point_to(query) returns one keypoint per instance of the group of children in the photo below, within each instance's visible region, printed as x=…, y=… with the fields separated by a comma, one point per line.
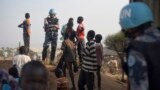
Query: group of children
x=27, y=74
x=90, y=55
x=90, y=58
x=34, y=76
x=10, y=79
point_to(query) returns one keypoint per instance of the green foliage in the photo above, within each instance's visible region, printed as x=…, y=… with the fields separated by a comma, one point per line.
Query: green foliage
x=8, y=50
x=115, y=41
x=1, y=53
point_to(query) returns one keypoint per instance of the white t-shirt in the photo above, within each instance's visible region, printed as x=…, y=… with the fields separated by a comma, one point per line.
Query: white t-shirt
x=20, y=60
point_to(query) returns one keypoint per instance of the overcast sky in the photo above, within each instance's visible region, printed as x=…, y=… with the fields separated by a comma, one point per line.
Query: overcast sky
x=99, y=15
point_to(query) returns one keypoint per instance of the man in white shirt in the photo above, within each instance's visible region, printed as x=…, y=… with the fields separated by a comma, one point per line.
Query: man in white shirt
x=20, y=59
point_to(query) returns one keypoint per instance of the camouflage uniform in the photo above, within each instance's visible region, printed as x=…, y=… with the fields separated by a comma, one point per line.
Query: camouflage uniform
x=143, y=61
x=51, y=36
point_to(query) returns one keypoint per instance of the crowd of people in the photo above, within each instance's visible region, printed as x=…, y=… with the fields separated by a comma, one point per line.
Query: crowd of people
x=142, y=64
x=24, y=70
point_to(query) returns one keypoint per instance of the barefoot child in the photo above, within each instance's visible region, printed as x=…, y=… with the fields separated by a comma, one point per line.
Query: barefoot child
x=68, y=48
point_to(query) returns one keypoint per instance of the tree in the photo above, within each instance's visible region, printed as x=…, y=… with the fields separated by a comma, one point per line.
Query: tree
x=117, y=42
x=9, y=51
x=1, y=53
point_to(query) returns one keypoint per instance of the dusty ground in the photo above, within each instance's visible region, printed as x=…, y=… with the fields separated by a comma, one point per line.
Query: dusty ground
x=108, y=83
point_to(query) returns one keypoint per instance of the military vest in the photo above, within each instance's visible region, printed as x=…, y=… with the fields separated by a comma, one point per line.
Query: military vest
x=50, y=23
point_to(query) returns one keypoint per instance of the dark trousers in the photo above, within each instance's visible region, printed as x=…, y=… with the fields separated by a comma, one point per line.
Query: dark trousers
x=26, y=39
x=50, y=38
x=99, y=77
x=86, y=78
x=80, y=46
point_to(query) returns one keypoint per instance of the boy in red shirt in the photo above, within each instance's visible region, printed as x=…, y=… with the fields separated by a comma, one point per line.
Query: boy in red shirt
x=80, y=37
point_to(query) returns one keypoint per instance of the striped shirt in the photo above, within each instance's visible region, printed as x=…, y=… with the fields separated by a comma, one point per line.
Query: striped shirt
x=89, y=60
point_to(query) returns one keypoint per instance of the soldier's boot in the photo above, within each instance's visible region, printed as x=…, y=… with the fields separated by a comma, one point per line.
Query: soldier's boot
x=44, y=54
x=53, y=51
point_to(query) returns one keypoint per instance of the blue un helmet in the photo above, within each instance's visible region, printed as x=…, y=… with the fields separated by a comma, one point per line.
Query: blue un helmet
x=52, y=12
x=134, y=15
